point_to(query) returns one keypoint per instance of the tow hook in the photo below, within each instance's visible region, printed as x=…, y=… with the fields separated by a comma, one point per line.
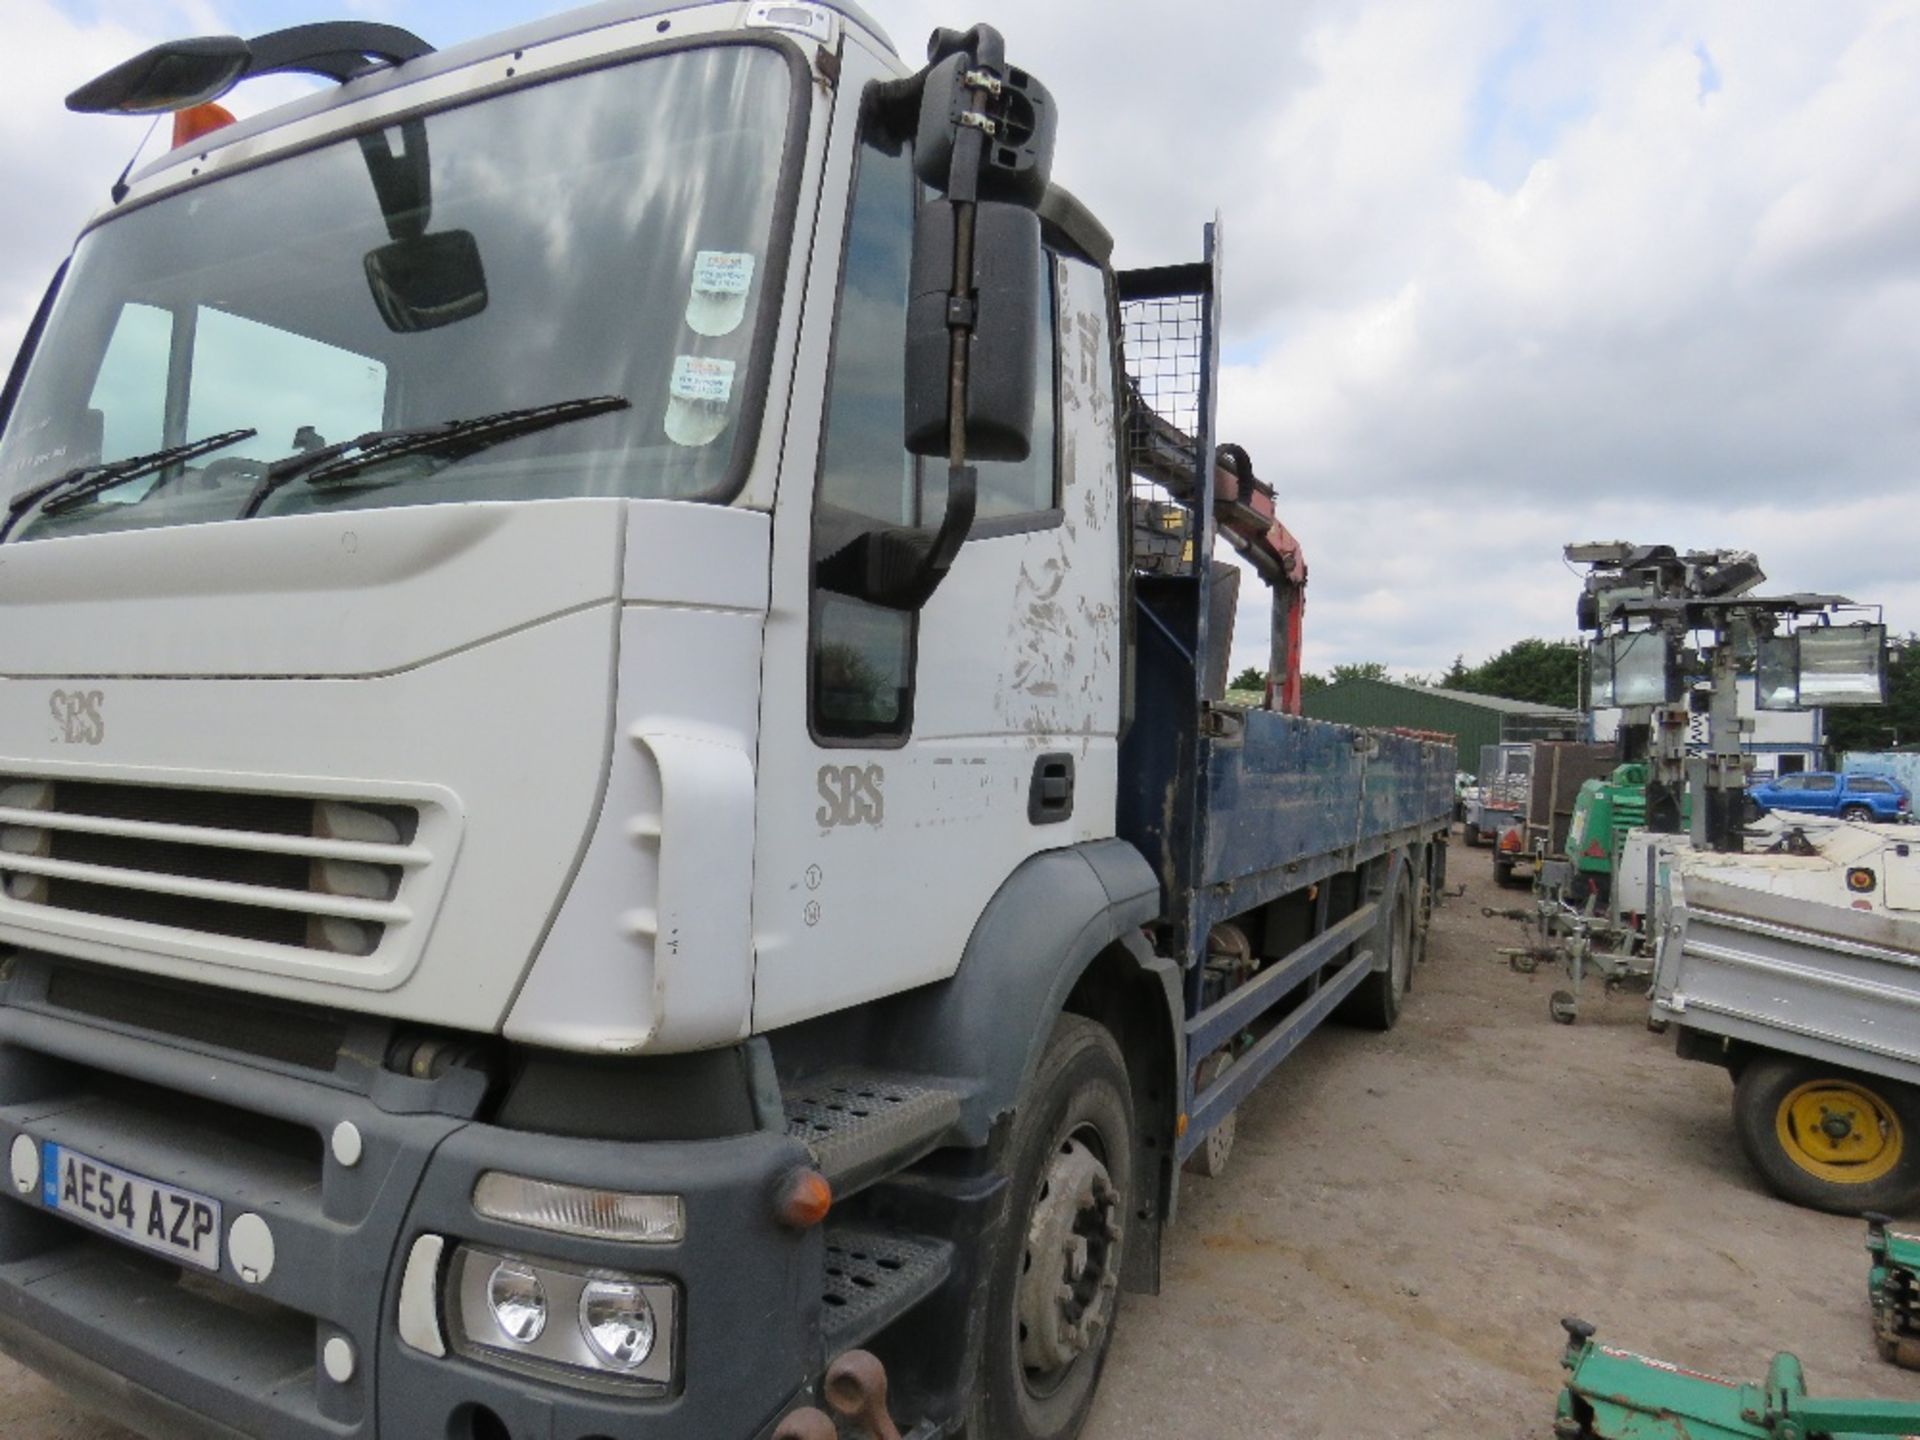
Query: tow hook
x=856, y=1388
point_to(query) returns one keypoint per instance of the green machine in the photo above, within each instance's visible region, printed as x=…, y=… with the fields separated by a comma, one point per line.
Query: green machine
x=1613, y=1394
x=1603, y=813
x=1893, y=1287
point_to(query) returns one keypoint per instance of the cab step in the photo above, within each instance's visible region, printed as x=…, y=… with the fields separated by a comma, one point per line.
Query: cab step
x=873, y=1277
x=862, y=1125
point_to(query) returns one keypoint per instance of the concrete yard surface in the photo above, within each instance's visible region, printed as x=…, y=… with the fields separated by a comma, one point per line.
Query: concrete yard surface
x=1407, y=1217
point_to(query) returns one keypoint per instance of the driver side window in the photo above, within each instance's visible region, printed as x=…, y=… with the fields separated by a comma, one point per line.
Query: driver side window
x=862, y=656
x=250, y=375
x=229, y=373
x=130, y=390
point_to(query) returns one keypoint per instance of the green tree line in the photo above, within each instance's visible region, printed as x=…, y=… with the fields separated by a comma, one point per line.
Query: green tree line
x=1547, y=672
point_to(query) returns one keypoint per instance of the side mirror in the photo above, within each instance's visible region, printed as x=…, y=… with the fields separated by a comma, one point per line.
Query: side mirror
x=1000, y=378
x=427, y=281
x=174, y=76
x=1016, y=154
x=983, y=142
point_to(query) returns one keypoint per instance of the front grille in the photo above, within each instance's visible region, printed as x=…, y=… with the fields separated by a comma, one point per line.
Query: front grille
x=200, y=1014
x=300, y=872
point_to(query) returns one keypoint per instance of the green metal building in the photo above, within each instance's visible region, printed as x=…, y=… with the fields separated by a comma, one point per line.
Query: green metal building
x=1472, y=720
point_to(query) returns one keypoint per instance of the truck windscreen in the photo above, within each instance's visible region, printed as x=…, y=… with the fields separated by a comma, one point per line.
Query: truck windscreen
x=602, y=235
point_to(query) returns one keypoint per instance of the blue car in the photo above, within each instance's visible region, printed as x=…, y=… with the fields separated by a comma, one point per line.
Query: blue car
x=1879, y=798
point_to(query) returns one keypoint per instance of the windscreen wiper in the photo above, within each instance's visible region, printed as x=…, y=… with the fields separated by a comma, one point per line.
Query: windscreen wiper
x=83, y=482
x=450, y=441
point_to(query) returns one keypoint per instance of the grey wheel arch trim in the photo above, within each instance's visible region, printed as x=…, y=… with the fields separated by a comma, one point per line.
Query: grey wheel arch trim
x=1050, y=920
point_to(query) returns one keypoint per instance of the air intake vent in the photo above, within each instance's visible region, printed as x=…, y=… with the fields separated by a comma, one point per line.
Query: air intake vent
x=299, y=872
x=200, y=1014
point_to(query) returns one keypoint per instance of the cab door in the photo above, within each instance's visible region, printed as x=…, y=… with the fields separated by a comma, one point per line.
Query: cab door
x=910, y=761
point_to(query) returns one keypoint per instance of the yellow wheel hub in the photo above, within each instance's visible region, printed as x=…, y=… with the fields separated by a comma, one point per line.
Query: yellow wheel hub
x=1839, y=1131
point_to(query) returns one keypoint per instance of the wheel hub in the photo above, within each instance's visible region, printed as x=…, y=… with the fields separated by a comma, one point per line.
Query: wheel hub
x=1839, y=1131
x=1070, y=1280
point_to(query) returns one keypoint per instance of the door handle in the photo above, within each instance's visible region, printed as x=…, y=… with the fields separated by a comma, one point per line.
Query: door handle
x=1050, y=794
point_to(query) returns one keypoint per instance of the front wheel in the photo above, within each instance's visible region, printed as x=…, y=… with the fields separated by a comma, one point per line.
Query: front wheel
x=1858, y=813
x=1055, y=1286
x=1828, y=1138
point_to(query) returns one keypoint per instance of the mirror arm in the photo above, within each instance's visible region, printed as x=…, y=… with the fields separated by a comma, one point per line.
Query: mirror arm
x=963, y=190
x=898, y=567
x=963, y=489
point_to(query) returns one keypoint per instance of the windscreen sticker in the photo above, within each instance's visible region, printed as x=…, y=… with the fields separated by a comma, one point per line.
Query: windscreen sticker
x=721, y=280
x=697, y=399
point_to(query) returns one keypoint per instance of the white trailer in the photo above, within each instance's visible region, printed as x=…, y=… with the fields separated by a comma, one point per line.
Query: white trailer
x=1799, y=971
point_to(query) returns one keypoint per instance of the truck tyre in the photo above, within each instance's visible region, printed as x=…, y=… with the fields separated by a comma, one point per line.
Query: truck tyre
x=1376, y=1001
x=1426, y=896
x=1828, y=1138
x=1055, y=1282
x=1210, y=1160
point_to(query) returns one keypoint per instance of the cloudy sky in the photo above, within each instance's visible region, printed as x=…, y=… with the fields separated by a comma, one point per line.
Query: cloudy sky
x=1501, y=274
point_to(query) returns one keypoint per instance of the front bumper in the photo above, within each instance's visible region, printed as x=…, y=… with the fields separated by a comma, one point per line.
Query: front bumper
x=217, y=1356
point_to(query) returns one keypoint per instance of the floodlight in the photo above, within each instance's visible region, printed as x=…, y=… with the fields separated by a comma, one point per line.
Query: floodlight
x=1635, y=668
x=1776, y=673
x=1843, y=665
x=1600, y=687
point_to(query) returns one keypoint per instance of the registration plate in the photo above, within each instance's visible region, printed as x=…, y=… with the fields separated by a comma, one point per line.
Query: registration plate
x=172, y=1222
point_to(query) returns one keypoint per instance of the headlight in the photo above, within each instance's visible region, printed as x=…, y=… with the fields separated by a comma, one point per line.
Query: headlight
x=518, y=1302
x=510, y=1310
x=618, y=1322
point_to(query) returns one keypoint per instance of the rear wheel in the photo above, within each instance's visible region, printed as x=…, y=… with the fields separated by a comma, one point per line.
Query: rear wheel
x=1054, y=1288
x=1426, y=896
x=1828, y=1138
x=1211, y=1158
x=1376, y=1001
x=1470, y=833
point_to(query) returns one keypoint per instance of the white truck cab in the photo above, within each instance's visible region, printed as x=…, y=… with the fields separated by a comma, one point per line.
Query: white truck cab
x=595, y=662
x=569, y=610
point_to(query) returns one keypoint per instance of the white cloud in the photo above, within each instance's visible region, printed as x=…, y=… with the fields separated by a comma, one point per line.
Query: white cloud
x=1500, y=275
x=1696, y=318
x=56, y=166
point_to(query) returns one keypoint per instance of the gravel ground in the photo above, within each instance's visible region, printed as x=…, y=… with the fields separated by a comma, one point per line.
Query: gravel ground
x=1408, y=1215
